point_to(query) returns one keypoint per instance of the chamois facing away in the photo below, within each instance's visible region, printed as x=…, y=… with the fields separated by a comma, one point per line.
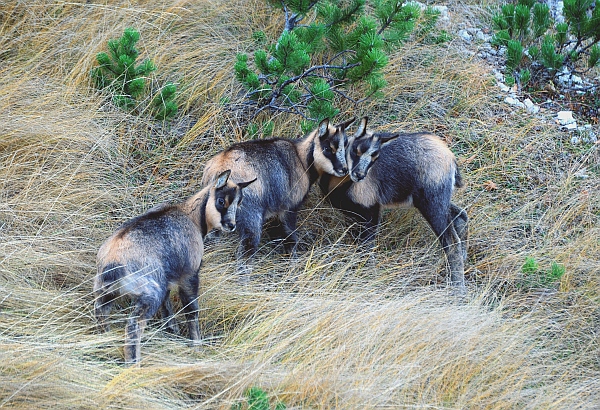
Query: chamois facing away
x=151, y=253
x=401, y=170
x=285, y=169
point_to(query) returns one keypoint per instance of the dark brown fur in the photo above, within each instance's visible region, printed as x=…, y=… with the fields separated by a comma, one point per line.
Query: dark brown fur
x=285, y=170
x=161, y=249
x=396, y=170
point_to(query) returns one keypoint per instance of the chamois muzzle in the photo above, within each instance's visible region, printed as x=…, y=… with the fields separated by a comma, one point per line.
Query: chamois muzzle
x=229, y=226
x=357, y=176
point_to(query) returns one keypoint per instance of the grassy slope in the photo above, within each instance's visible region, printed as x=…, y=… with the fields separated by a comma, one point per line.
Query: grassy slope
x=344, y=334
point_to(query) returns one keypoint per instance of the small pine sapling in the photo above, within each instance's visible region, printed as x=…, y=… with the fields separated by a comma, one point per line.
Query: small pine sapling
x=118, y=71
x=163, y=104
x=126, y=81
x=257, y=399
x=310, y=68
x=550, y=47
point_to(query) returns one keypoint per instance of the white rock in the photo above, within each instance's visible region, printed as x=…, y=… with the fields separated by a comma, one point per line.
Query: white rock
x=499, y=76
x=443, y=12
x=481, y=36
x=514, y=101
x=571, y=126
x=530, y=106
x=565, y=118
x=587, y=134
x=503, y=87
x=556, y=10
x=464, y=34
x=416, y=3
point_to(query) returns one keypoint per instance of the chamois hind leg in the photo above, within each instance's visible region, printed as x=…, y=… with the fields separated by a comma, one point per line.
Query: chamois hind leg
x=188, y=292
x=146, y=307
x=166, y=310
x=102, y=306
x=437, y=212
x=460, y=219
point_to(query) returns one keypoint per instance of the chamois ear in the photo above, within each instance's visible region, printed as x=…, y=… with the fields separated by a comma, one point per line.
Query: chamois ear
x=387, y=138
x=362, y=128
x=346, y=124
x=323, y=130
x=222, y=179
x=243, y=185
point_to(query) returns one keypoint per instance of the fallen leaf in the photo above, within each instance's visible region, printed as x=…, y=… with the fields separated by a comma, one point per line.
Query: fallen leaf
x=490, y=186
x=469, y=160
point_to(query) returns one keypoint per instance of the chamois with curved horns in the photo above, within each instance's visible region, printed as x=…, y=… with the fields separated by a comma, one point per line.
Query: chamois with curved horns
x=388, y=170
x=162, y=248
x=285, y=170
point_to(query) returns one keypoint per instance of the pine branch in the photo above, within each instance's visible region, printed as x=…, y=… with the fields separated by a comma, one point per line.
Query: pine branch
x=307, y=73
x=390, y=18
x=292, y=19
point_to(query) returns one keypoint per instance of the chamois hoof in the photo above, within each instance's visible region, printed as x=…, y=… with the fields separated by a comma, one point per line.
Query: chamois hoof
x=244, y=275
x=459, y=291
x=171, y=326
x=195, y=343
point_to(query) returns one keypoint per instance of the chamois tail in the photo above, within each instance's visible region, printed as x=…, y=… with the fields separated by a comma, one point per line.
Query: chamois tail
x=458, y=180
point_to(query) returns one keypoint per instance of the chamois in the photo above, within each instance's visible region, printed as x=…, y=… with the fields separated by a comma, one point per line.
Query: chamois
x=149, y=254
x=389, y=170
x=285, y=170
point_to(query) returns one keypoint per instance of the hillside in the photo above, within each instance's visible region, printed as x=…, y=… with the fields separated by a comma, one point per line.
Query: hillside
x=334, y=328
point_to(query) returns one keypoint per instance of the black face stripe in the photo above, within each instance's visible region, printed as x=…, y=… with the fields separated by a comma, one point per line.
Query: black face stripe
x=224, y=198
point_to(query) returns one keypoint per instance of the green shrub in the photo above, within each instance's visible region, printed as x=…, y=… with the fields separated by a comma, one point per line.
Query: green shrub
x=126, y=81
x=534, y=277
x=530, y=266
x=527, y=25
x=256, y=399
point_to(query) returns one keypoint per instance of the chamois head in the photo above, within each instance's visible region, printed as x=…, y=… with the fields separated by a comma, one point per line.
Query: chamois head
x=223, y=201
x=363, y=149
x=330, y=148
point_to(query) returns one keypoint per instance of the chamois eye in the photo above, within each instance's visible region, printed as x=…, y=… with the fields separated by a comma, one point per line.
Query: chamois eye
x=220, y=202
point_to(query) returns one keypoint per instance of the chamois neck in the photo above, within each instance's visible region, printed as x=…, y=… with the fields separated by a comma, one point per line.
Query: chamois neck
x=195, y=208
x=305, y=148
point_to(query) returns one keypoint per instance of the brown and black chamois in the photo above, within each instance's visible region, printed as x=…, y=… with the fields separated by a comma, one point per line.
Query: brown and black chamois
x=388, y=170
x=148, y=255
x=285, y=169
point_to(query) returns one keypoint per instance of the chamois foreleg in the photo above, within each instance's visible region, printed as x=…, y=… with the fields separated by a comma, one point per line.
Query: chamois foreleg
x=290, y=239
x=249, y=225
x=367, y=223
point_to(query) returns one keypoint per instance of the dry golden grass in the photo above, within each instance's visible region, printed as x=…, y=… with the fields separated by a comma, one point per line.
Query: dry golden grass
x=331, y=329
